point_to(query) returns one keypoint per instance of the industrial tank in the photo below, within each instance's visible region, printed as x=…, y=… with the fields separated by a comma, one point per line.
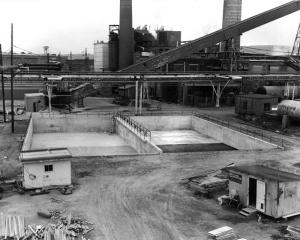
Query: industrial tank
x=290, y=108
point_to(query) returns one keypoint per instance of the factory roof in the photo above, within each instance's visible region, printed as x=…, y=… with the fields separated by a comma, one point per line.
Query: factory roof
x=266, y=173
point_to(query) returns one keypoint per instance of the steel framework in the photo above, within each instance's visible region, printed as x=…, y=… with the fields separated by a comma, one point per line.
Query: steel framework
x=214, y=38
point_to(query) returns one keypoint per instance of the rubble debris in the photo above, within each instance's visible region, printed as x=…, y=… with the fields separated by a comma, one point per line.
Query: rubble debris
x=64, y=227
x=59, y=228
x=12, y=226
x=294, y=232
x=208, y=185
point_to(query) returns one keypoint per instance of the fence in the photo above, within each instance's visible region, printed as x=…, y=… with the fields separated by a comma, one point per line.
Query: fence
x=135, y=126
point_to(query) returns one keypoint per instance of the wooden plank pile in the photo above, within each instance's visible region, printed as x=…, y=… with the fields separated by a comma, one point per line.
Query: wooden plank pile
x=12, y=226
x=223, y=233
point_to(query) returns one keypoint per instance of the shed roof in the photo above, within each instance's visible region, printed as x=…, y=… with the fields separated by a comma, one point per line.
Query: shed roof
x=266, y=173
x=59, y=154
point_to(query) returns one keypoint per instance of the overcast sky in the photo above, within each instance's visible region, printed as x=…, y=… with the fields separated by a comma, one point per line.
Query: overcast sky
x=73, y=25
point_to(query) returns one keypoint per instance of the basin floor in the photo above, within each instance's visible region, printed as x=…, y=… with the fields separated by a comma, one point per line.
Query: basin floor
x=186, y=141
x=83, y=144
x=180, y=137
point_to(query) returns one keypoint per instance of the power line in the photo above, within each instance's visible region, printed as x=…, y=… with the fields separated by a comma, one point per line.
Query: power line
x=24, y=49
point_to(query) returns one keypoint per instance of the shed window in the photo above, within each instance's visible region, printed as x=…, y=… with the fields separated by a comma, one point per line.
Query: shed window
x=48, y=168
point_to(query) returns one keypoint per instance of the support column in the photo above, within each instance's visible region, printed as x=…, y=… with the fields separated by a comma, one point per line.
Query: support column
x=184, y=94
x=141, y=98
x=287, y=90
x=136, y=97
x=2, y=85
x=285, y=121
x=218, y=95
x=294, y=88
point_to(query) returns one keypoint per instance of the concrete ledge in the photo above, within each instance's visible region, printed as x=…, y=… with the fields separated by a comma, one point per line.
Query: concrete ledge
x=28, y=138
x=52, y=123
x=164, y=123
x=142, y=146
x=229, y=136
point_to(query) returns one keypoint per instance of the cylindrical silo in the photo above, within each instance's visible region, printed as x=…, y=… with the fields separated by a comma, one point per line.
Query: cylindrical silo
x=126, y=36
x=232, y=13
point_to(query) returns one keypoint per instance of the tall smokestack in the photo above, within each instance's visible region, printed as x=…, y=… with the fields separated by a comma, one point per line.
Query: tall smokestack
x=126, y=37
x=232, y=13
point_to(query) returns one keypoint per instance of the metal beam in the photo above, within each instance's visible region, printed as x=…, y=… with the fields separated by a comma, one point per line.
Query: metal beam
x=214, y=38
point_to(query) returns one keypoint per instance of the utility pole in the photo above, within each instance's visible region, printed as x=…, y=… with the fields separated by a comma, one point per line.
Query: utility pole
x=71, y=62
x=2, y=84
x=12, y=80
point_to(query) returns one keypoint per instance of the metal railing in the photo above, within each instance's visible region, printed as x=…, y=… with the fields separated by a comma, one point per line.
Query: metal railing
x=133, y=125
x=258, y=133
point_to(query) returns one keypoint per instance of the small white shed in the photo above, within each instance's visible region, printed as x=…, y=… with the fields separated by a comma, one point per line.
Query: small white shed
x=46, y=168
x=272, y=192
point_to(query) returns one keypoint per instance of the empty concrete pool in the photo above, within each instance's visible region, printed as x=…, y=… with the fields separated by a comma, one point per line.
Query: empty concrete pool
x=116, y=134
x=194, y=134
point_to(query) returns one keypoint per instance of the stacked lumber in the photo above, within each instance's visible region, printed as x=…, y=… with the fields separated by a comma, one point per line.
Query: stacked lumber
x=223, y=233
x=12, y=226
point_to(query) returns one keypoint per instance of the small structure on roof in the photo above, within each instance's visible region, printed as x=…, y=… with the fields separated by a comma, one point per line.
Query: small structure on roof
x=46, y=168
x=270, y=191
x=254, y=104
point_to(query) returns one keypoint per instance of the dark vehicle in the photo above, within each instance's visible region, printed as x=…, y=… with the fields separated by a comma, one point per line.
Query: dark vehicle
x=120, y=100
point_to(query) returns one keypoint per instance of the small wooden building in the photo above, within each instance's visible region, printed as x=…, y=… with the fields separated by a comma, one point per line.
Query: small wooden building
x=270, y=191
x=34, y=102
x=46, y=168
x=254, y=104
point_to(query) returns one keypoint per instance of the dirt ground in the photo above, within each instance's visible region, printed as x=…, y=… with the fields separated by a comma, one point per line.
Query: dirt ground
x=141, y=198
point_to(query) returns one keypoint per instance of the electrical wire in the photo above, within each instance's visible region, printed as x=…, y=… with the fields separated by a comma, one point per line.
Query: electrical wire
x=24, y=50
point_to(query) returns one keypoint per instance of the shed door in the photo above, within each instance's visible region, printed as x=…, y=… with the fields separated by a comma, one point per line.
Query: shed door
x=261, y=196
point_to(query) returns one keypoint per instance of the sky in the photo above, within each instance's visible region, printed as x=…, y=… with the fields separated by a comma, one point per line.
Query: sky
x=73, y=25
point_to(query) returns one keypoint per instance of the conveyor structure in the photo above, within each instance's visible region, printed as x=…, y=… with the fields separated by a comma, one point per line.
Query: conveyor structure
x=214, y=38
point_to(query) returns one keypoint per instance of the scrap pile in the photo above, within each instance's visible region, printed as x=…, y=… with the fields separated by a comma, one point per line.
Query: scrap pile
x=207, y=185
x=12, y=226
x=59, y=228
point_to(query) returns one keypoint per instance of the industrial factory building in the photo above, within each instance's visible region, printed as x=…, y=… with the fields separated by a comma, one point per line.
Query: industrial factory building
x=146, y=133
